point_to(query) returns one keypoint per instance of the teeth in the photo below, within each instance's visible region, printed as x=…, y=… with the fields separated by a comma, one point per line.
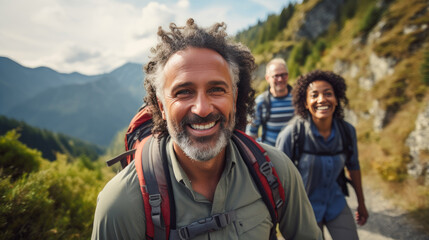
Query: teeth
x=203, y=126
x=322, y=108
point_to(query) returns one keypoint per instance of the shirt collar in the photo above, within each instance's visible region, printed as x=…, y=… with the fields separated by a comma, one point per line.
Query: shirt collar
x=317, y=134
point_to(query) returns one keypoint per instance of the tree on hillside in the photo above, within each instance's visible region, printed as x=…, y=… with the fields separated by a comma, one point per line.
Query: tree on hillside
x=285, y=15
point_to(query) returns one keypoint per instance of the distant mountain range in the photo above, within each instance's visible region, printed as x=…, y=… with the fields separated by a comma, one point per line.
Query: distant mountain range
x=92, y=108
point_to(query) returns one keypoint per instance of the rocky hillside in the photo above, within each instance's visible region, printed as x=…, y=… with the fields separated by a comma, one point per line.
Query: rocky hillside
x=381, y=48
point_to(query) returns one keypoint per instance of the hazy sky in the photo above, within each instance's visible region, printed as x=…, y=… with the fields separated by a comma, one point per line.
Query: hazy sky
x=97, y=36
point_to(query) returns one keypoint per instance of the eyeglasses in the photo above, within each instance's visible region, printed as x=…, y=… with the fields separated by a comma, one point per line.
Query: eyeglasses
x=282, y=75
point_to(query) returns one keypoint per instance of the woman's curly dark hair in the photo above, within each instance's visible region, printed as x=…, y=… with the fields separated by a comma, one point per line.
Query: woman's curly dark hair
x=238, y=57
x=299, y=92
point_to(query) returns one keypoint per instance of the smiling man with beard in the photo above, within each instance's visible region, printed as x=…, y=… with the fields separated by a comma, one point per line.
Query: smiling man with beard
x=198, y=90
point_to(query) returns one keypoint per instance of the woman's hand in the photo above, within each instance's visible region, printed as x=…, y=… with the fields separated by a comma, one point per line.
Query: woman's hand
x=361, y=215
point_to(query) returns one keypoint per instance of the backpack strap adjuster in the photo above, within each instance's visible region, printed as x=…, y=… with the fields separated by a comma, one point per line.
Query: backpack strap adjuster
x=155, y=202
x=267, y=169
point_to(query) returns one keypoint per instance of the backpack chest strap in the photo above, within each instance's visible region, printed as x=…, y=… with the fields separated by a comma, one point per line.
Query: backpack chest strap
x=209, y=224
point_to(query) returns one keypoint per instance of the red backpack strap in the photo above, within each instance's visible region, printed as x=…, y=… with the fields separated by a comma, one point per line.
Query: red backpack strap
x=263, y=172
x=154, y=179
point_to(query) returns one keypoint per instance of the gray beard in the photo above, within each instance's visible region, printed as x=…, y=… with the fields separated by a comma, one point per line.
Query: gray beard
x=200, y=151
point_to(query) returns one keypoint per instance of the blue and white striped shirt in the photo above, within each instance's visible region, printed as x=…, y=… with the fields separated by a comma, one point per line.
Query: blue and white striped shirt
x=281, y=112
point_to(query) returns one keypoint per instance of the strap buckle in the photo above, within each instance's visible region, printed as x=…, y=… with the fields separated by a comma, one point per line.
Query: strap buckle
x=267, y=169
x=155, y=201
x=209, y=224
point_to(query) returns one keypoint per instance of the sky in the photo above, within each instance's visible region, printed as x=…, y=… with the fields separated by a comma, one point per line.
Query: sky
x=97, y=36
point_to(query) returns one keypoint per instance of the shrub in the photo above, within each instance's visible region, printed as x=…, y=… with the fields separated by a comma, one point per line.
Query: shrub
x=370, y=19
x=56, y=202
x=16, y=158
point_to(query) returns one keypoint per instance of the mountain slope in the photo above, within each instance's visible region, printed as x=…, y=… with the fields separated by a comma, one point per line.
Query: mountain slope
x=19, y=83
x=93, y=112
x=381, y=48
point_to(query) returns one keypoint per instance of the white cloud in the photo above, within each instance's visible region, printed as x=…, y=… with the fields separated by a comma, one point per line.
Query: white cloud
x=92, y=36
x=183, y=3
x=87, y=32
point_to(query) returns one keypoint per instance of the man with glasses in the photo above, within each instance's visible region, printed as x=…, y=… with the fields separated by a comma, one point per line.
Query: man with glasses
x=273, y=107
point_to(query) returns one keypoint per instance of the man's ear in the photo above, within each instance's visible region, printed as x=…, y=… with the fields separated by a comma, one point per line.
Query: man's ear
x=161, y=107
x=267, y=78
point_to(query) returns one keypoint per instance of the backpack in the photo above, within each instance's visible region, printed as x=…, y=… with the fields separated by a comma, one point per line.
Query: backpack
x=265, y=112
x=298, y=141
x=154, y=178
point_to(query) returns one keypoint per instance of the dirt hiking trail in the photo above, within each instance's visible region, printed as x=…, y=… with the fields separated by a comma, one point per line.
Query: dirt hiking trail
x=386, y=222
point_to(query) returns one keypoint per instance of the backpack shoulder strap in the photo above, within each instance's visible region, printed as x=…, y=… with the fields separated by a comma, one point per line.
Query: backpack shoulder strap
x=346, y=138
x=263, y=173
x=155, y=184
x=347, y=141
x=298, y=141
x=265, y=111
x=267, y=105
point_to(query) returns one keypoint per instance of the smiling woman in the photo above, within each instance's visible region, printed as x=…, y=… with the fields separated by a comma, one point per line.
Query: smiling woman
x=322, y=144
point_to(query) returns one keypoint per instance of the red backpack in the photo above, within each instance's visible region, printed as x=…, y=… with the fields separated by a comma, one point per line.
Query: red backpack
x=155, y=183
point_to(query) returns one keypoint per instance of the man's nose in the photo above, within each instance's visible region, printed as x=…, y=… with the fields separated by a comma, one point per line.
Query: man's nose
x=202, y=106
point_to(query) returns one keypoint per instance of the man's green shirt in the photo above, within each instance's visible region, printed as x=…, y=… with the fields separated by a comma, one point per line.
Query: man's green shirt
x=120, y=214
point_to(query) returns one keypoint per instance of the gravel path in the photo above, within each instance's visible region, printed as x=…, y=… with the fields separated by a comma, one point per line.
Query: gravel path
x=385, y=221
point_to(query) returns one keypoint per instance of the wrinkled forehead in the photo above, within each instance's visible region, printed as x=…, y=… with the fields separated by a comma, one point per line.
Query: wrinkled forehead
x=199, y=58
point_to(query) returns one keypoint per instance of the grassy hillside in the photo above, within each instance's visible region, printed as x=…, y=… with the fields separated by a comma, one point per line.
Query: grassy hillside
x=50, y=143
x=46, y=200
x=365, y=35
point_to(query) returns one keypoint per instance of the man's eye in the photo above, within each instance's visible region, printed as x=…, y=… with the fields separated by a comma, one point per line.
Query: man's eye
x=217, y=90
x=183, y=92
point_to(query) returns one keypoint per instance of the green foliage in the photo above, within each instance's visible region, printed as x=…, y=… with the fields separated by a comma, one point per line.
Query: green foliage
x=315, y=55
x=298, y=58
x=294, y=69
x=370, y=19
x=300, y=52
x=349, y=8
x=49, y=143
x=285, y=16
x=26, y=210
x=393, y=169
x=266, y=31
x=56, y=202
x=15, y=158
x=424, y=68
